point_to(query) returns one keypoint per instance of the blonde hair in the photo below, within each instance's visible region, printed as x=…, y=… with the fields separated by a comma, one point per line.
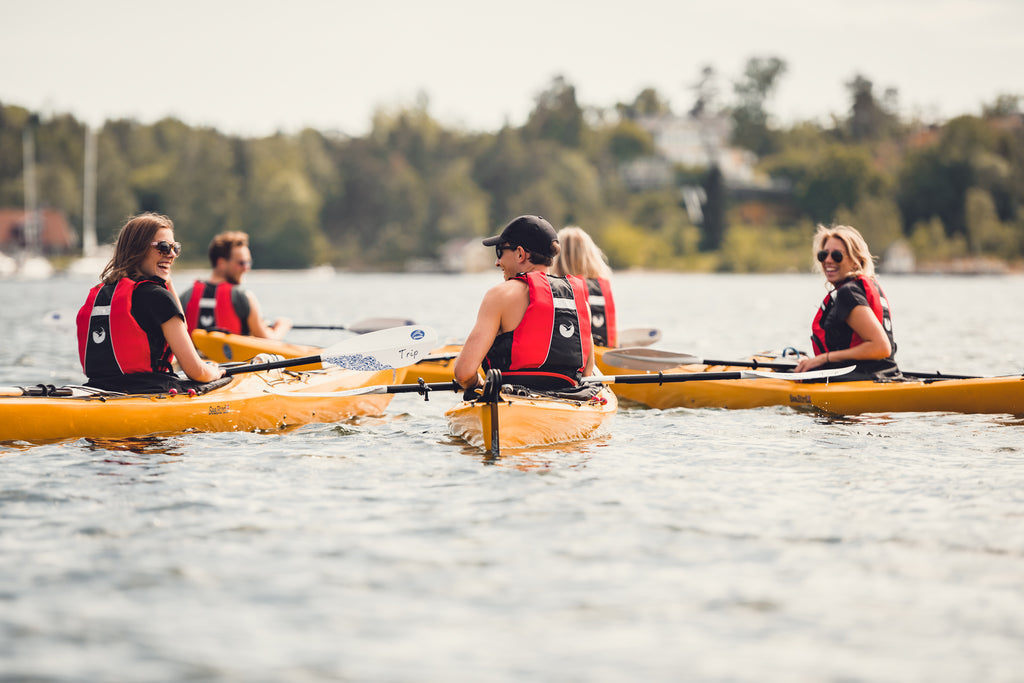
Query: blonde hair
x=579, y=255
x=856, y=247
x=133, y=244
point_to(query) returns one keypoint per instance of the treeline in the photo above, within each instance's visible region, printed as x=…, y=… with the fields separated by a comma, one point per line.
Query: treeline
x=411, y=186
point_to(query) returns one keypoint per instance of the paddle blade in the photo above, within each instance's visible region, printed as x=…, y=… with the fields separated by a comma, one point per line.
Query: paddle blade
x=382, y=350
x=795, y=376
x=641, y=358
x=638, y=336
x=377, y=324
x=59, y=320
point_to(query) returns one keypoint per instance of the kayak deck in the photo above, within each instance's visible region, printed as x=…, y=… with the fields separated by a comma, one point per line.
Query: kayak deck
x=532, y=420
x=242, y=404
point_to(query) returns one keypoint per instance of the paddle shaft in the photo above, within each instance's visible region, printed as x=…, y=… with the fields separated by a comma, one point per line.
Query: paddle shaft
x=663, y=378
x=789, y=366
x=272, y=365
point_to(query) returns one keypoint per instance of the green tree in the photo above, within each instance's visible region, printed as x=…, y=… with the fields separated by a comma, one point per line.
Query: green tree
x=869, y=118
x=556, y=116
x=750, y=118
x=648, y=102
x=713, y=228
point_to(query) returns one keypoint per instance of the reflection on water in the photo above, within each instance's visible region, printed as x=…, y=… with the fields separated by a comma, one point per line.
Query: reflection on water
x=145, y=445
x=688, y=544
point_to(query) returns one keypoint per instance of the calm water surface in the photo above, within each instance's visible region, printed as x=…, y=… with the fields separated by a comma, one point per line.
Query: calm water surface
x=708, y=545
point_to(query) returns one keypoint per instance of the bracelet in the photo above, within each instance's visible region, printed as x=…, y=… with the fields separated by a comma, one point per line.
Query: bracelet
x=826, y=355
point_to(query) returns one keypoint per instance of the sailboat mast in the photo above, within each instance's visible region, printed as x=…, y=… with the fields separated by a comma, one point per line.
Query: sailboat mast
x=89, y=194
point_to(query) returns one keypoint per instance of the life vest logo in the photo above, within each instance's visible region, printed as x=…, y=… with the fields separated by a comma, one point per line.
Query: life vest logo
x=98, y=336
x=206, y=321
x=566, y=330
x=598, y=320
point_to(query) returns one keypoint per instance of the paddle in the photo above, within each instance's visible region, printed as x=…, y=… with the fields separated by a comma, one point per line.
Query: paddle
x=632, y=337
x=662, y=378
x=66, y=320
x=639, y=336
x=637, y=358
x=382, y=350
x=425, y=388
x=361, y=326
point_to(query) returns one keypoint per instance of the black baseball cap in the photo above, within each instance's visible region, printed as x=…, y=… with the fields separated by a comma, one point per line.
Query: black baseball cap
x=532, y=233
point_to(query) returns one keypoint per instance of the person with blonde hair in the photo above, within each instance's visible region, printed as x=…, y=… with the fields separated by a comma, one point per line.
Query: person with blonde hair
x=853, y=321
x=220, y=302
x=580, y=256
x=131, y=327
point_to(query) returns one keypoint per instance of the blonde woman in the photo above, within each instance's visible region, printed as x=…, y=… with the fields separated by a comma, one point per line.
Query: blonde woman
x=853, y=322
x=581, y=257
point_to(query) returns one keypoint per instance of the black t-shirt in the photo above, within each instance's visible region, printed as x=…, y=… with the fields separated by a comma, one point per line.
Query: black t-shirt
x=152, y=306
x=839, y=335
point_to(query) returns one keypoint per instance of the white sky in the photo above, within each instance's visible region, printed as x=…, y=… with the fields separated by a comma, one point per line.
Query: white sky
x=253, y=67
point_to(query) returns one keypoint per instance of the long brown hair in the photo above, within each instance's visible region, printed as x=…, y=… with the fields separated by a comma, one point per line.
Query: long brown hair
x=133, y=243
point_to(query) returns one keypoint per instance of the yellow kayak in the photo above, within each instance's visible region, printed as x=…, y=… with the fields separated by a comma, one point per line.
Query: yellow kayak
x=238, y=403
x=222, y=347
x=531, y=420
x=927, y=394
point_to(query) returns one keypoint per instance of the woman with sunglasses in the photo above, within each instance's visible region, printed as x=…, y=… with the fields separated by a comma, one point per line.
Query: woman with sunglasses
x=131, y=327
x=852, y=323
x=579, y=256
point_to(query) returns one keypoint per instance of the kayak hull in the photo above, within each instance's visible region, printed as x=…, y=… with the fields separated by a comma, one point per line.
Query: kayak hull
x=973, y=395
x=525, y=421
x=243, y=404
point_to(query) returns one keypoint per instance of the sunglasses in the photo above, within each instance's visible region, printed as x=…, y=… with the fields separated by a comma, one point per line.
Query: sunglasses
x=166, y=248
x=837, y=256
x=499, y=248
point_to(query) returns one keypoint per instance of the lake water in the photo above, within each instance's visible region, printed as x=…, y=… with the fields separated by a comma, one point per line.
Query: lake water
x=698, y=545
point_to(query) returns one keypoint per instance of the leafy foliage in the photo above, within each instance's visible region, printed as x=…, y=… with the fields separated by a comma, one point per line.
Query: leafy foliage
x=411, y=188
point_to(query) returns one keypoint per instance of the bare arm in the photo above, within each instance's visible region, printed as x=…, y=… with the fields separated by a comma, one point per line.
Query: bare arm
x=874, y=345
x=184, y=350
x=259, y=328
x=480, y=339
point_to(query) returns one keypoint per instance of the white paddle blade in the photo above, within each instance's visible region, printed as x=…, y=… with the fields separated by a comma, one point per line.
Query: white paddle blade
x=640, y=358
x=59, y=320
x=638, y=336
x=377, y=324
x=388, y=349
x=796, y=376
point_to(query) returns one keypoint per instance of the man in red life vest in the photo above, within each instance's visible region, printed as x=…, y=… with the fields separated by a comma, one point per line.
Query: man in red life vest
x=221, y=303
x=534, y=327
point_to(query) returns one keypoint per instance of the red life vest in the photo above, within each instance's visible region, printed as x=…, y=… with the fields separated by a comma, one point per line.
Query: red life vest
x=553, y=338
x=210, y=307
x=110, y=339
x=877, y=302
x=602, y=312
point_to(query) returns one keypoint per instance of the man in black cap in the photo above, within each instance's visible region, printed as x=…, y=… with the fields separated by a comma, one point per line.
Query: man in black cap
x=534, y=327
